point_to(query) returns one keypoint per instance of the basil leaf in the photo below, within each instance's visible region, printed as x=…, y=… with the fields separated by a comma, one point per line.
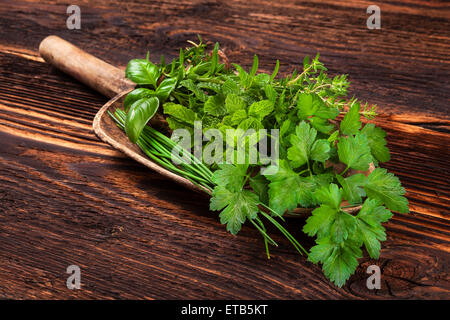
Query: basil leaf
x=135, y=95
x=141, y=111
x=165, y=88
x=142, y=71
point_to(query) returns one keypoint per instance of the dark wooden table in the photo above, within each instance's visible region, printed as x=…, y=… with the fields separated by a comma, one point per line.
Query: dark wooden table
x=67, y=198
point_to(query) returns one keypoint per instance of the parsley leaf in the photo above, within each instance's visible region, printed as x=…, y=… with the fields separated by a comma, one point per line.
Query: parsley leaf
x=230, y=176
x=370, y=230
x=386, y=187
x=377, y=142
x=354, y=151
x=300, y=189
x=339, y=260
x=304, y=146
x=237, y=207
x=353, y=192
x=351, y=123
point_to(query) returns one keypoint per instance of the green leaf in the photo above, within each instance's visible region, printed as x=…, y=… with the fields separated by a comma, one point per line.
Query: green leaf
x=191, y=86
x=260, y=185
x=215, y=106
x=275, y=71
x=339, y=260
x=331, y=195
x=320, y=150
x=141, y=111
x=370, y=230
x=320, y=221
x=234, y=103
x=387, y=188
x=250, y=123
x=135, y=95
x=341, y=264
x=142, y=71
x=354, y=151
x=181, y=113
x=270, y=93
x=260, y=80
x=353, y=192
x=254, y=66
x=260, y=109
x=377, y=142
x=302, y=142
x=326, y=112
x=321, y=125
x=351, y=122
x=221, y=198
x=343, y=226
x=230, y=87
x=307, y=105
x=165, y=88
x=230, y=176
x=300, y=189
x=237, y=207
x=238, y=117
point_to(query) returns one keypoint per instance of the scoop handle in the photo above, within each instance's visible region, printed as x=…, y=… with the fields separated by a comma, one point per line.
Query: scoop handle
x=96, y=73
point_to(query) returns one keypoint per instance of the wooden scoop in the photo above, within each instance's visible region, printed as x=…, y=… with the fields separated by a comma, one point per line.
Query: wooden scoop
x=111, y=82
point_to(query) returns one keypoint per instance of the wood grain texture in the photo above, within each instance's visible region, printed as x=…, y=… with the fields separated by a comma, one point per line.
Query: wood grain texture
x=68, y=198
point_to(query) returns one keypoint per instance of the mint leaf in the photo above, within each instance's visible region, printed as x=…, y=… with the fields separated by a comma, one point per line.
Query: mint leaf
x=351, y=122
x=377, y=142
x=215, y=106
x=234, y=103
x=354, y=151
x=190, y=85
x=179, y=112
x=230, y=87
x=238, y=117
x=260, y=109
x=250, y=123
x=387, y=188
